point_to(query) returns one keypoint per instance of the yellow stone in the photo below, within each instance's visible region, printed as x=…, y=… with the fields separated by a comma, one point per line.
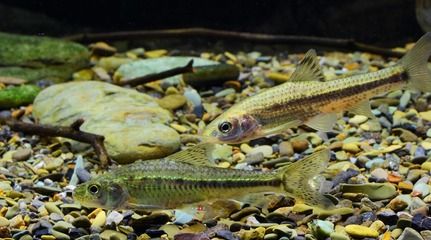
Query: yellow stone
x=155, y=53
x=231, y=56
x=278, y=77
x=391, y=148
x=426, y=166
x=85, y=74
x=360, y=231
x=100, y=220
x=351, y=147
x=426, y=145
x=425, y=115
x=94, y=213
x=377, y=225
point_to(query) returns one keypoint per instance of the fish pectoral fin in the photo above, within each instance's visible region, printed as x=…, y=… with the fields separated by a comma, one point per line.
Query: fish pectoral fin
x=195, y=155
x=283, y=127
x=362, y=108
x=322, y=122
x=308, y=69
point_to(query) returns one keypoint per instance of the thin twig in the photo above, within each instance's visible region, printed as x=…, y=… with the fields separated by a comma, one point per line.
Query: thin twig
x=157, y=76
x=72, y=132
x=348, y=44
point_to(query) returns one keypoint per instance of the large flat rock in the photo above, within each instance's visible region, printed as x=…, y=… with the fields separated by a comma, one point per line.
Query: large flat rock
x=133, y=124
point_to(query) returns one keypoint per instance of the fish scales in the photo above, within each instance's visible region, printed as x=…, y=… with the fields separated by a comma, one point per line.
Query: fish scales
x=304, y=99
x=307, y=99
x=165, y=183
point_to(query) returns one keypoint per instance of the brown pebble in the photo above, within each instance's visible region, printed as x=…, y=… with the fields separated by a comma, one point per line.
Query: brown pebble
x=299, y=145
x=286, y=149
x=233, y=84
x=21, y=154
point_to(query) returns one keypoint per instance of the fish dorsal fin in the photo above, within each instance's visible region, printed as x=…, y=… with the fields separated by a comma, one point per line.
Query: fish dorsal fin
x=309, y=69
x=362, y=108
x=195, y=155
x=322, y=122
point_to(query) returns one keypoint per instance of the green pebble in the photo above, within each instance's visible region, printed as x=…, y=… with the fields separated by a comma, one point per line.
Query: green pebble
x=111, y=234
x=60, y=236
x=321, y=229
x=52, y=208
x=375, y=191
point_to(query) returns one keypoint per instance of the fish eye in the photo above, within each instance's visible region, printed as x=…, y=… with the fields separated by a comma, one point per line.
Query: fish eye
x=94, y=189
x=225, y=127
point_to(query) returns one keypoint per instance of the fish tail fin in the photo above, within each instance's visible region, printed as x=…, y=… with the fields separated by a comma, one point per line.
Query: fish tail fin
x=298, y=179
x=416, y=64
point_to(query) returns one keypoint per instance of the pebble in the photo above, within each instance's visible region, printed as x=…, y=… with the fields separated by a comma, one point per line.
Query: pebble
x=360, y=231
x=266, y=150
x=400, y=202
x=380, y=173
x=225, y=92
x=410, y=234
x=52, y=208
x=82, y=222
x=4, y=222
x=53, y=163
x=357, y=120
x=59, y=235
x=351, y=147
x=62, y=226
x=374, y=191
x=114, y=217
x=299, y=145
x=100, y=220
x=341, y=156
x=321, y=229
x=286, y=149
x=111, y=234
x=244, y=212
x=425, y=115
x=172, y=102
x=338, y=236
x=22, y=154
x=421, y=189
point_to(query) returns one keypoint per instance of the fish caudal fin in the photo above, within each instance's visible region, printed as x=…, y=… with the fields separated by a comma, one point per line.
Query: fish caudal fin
x=298, y=179
x=415, y=62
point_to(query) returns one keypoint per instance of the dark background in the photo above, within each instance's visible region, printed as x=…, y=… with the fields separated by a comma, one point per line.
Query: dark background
x=381, y=22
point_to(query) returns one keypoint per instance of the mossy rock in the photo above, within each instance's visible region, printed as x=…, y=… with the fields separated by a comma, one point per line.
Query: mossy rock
x=18, y=95
x=34, y=58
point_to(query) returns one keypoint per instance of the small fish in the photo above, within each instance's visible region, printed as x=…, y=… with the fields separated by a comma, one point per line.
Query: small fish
x=308, y=99
x=179, y=180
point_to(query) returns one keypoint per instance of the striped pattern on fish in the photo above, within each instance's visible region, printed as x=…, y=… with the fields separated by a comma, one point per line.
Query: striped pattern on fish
x=308, y=99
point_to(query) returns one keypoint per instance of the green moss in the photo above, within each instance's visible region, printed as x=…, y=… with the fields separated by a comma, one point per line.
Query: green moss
x=18, y=96
x=33, y=58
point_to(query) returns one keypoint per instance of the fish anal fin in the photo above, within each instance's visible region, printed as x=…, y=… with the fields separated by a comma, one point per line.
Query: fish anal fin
x=298, y=179
x=195, y=155
x=308, y=69
x=323, y=122
x=363, y=108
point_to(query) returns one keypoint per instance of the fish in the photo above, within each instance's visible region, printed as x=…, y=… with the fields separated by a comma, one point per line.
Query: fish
x=179, y=181
x=308, y=99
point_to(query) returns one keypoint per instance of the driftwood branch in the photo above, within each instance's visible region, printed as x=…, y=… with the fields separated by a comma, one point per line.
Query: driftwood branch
x=157, y=76
x=72, y=132
x=348, y=44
